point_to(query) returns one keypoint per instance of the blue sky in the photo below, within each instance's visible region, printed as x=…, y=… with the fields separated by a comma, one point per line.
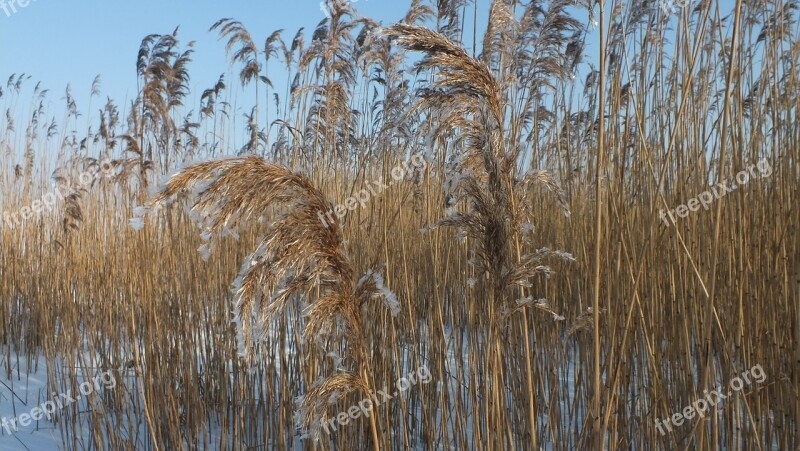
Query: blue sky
x=60, y=42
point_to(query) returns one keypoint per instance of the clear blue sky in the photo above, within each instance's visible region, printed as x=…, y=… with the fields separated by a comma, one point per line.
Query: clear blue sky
x=60, y=42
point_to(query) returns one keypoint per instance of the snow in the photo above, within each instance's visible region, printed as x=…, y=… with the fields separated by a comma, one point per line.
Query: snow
x=19, y=393
x=31, y=412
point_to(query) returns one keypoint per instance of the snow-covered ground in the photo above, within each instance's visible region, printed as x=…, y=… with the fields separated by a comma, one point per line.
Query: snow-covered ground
x=25, y=390
x=33, y=411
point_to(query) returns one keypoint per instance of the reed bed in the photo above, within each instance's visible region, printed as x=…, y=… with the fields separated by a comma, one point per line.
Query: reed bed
x=548, y=171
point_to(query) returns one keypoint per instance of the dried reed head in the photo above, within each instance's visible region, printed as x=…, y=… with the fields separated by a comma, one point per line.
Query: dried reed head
x=299, y=256
x=464, y=82
x=298, y=252
x=468, y=98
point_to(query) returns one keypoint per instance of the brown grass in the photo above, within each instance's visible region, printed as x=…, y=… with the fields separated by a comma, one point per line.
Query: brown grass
x=512, y=142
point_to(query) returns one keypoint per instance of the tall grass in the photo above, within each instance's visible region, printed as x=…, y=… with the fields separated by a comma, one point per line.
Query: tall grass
x=516, y=128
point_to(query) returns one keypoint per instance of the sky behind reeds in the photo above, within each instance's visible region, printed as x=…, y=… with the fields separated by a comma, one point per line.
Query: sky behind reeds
x=72, y=42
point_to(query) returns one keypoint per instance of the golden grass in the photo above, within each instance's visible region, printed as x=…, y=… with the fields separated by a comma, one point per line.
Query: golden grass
x=681, y=308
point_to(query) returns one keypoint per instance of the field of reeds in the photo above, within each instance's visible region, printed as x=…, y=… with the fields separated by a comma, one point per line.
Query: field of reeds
x=540, y=261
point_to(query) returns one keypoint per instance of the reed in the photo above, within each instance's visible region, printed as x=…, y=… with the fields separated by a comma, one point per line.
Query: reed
x=255, y=328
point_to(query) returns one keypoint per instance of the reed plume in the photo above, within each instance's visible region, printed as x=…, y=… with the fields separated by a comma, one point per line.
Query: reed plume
x=483, y=176
x=299, y=258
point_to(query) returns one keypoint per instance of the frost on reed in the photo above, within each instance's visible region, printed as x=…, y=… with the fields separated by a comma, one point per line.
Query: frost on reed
x=469, y=99
x=298, y=258
x=493, y=197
